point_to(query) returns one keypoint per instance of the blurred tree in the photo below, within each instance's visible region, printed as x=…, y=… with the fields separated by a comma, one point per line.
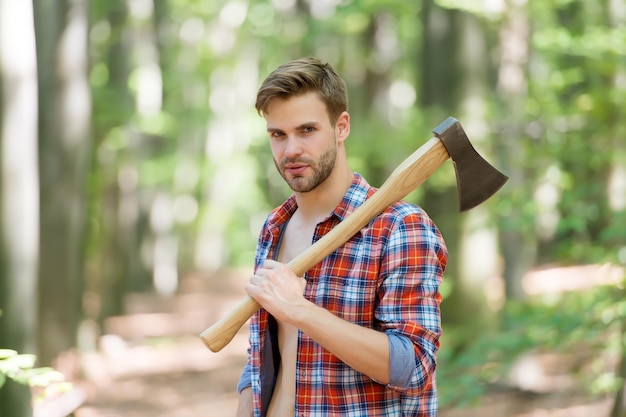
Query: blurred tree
x=106, y=281
x=19, y=209
x=115, y=263
x=575, y=99
x=451, y=82
x=61, y=28
x=519, y=244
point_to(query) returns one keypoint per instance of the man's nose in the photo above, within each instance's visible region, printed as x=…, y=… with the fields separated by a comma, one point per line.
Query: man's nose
x=293, y=146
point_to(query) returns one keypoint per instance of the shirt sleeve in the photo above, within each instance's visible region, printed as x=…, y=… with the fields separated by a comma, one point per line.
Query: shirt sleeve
x=401, y=360
x=412, y=270
x=245, y=380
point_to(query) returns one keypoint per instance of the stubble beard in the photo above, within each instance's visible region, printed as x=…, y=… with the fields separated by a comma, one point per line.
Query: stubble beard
x=321, y=171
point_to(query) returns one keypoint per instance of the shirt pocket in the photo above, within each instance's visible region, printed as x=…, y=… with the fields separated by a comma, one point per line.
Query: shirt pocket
x=348, y=283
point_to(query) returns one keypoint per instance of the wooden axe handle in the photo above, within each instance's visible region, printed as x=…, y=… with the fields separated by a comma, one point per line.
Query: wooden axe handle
x=404, y=179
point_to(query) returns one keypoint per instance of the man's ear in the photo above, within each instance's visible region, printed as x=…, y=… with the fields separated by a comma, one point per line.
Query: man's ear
x=342, y=126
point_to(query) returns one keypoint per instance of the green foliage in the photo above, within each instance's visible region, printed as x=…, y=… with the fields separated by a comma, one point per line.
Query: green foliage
x=587, y=323
x=21, y=368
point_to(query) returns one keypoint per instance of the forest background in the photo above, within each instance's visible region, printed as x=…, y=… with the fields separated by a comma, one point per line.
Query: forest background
x=131, y=157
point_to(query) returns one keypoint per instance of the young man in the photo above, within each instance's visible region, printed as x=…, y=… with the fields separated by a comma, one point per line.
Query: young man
x=357, y=335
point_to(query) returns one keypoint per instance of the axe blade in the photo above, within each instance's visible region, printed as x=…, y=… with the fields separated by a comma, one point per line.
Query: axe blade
x=476, y=179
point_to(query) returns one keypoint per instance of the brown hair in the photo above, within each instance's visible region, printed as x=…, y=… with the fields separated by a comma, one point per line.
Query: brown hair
x=303, y=76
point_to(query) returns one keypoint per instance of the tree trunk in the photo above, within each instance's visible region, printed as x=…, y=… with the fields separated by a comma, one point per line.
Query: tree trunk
x=453, y=50
x=61, y=28
x=619, y=404
x=19, y=210
x=616, y=13
x=519, y=247
x=109, y=282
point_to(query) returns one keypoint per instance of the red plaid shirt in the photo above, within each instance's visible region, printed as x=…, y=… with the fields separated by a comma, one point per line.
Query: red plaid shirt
x=386, y=278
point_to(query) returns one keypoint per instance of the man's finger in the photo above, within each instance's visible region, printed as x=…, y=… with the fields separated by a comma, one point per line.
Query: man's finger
x=271, y=264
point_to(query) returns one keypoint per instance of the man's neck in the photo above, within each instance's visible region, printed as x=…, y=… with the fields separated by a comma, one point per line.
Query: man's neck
x=316, y=205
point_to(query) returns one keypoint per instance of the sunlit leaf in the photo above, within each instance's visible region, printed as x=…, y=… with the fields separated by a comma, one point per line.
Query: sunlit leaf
x=7, y=353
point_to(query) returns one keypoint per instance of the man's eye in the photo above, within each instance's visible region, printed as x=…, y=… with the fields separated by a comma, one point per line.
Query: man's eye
x=277, y=134
x=309, y=129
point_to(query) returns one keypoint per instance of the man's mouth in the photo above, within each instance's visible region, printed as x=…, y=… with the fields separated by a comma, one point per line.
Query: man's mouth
x=295, y=169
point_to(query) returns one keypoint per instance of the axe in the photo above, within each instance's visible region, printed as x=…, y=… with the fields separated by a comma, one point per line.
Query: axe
x=476, y=179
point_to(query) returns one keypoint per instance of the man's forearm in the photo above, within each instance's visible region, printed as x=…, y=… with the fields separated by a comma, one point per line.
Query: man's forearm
x=365, y=350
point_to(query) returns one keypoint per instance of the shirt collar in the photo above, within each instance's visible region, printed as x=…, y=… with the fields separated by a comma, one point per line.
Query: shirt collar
x=356, y=195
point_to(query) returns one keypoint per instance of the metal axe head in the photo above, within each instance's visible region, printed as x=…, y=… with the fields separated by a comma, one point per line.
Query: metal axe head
x=476, y=179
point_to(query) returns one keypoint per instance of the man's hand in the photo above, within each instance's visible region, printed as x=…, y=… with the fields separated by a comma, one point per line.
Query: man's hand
x=245, y=403
x=277, y=289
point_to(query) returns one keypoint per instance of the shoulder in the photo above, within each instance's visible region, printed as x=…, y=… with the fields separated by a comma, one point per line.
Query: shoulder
x=407, y=230
x=403, y=212
x=281, y=214
x=409, y=221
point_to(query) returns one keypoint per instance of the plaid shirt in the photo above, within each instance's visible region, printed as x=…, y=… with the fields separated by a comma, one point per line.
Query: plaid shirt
x=386, y=278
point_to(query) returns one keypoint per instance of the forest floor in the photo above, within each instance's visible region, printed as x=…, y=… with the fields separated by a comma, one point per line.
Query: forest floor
x=152, y=363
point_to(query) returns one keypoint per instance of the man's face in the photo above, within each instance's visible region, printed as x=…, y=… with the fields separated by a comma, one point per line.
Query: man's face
x=303, y=141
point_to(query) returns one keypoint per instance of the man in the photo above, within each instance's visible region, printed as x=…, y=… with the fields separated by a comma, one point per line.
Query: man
x=358, y=334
